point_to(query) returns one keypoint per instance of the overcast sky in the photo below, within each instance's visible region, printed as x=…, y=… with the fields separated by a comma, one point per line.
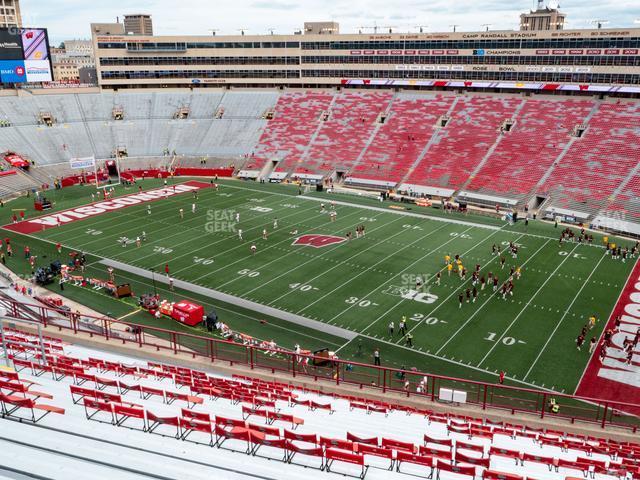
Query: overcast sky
x=67, y=19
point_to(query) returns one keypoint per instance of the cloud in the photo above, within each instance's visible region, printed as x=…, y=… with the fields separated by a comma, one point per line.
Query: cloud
x=271, y=5
x=71, y=18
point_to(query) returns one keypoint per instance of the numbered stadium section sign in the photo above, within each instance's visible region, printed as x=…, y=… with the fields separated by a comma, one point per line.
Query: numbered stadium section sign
x=24, y=55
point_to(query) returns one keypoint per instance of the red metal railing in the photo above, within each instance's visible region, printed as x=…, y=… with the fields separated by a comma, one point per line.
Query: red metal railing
x=364, y=376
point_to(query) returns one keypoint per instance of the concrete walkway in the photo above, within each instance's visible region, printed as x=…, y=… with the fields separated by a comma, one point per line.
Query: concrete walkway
x=240, y=302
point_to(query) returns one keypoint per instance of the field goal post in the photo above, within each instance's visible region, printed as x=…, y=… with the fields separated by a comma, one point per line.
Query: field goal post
x=106, y=173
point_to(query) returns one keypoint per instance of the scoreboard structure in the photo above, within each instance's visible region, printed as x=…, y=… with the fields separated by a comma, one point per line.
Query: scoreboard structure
x=25, y=55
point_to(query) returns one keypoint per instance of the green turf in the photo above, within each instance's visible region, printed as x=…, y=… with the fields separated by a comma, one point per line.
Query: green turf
x=356, y=285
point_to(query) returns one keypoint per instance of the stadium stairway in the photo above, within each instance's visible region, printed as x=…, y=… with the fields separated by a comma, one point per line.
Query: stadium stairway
x=286, y=137
x=322, y=131
x=537, y=139
x=599, y=161
x=473, y=128
x=307, y=149
x=109, y=414
x=493, y=172
x=432, y=140
x=410, y=127
x=352, y=116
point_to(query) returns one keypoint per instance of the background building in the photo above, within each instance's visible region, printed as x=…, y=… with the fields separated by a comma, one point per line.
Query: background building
x=68, y=62
x=320, y=28
x=138, y=24
x=543, y=18
x=10, y=13
x=524, y=60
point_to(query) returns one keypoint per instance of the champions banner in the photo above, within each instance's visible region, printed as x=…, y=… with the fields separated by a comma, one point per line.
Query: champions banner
x=98, y=208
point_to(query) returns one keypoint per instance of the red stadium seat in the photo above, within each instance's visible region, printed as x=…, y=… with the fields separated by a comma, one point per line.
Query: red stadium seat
x=333, y=455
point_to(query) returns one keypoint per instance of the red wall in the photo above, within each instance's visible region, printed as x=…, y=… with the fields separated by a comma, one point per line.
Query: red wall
x=154, y=173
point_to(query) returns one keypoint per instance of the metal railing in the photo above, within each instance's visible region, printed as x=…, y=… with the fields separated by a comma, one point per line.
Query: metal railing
x=361, y=375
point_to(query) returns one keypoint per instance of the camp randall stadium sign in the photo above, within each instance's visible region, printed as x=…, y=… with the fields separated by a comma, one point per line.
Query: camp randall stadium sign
x=615, y=378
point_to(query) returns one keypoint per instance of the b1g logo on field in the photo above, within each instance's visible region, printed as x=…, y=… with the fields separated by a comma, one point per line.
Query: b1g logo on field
x=410, y=294
x=318, y=241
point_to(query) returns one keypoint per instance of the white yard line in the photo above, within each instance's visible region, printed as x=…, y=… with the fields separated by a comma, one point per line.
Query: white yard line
x=106, y=218
x=199, y=217
x=116, y=225
x=208, y=245
x=566, y=312
x=233, y=300
x=388, y=210
x=389, y=280
x=482, y=306
x=498, y=341
x=495, y=257
x=242, y=245
x=444, y=359
x=369, y=268
x=424, y=215
x=315, y=258
x=287, y=240
x=440, y=304
x=584, y=371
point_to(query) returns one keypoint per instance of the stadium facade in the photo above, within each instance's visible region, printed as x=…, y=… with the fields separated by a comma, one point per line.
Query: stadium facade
x=595, y=60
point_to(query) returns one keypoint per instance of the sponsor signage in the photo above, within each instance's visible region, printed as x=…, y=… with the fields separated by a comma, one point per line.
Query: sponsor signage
x=10, y=45
x=82, y=163
x=38, y=70
x=24, y=55
x=13, y=71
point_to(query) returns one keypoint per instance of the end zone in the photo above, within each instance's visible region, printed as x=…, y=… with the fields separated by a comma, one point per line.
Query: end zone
x=614, y=378
x=45, y=222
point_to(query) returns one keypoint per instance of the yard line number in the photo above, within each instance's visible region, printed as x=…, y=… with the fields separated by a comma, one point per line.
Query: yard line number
x=202, y=261
x=249, y=273
x=261, y=209
x=360, y=303
x=419, y=317
x=302, y=287
x=508, y=341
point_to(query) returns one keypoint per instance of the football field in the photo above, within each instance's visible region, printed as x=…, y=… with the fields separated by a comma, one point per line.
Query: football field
x=307, y=268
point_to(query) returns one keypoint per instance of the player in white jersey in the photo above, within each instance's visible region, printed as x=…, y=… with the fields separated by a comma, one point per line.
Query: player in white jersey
x=148, y=209
x=181, y=213
x=264, y=234
x=138, y=242
x=275, y=223
x=240, y=233
x=237, y=217
x=253, y=249
x=193, y=208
